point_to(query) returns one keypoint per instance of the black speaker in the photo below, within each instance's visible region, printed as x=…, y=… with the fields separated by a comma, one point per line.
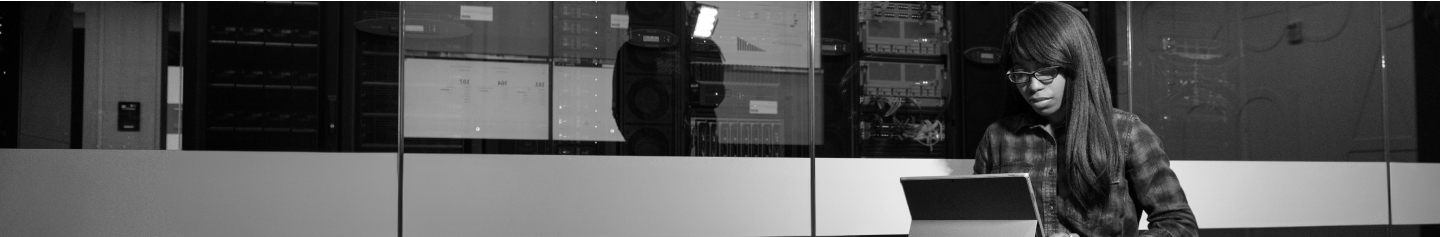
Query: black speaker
x=651, y=140
x=647, y=109
x=648, y=14
x=649, y=99
x=647, y=61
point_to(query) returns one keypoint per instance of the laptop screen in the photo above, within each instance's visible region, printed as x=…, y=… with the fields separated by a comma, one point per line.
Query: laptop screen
x=970, y=197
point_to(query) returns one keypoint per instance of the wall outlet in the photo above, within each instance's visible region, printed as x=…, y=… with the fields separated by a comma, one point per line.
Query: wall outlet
x=129, y=119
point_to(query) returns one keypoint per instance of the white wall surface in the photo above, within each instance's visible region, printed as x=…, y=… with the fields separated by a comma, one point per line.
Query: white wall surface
x=1256, y=194
x=1415, y=198
x=519, y=195
x=197, y=193
x=863, y=196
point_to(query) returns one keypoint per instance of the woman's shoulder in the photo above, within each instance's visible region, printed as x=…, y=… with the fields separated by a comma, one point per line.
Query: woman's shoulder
x=1122, y=118
x=1129, y=127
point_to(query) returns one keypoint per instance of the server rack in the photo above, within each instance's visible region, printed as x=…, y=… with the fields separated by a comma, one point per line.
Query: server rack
x=892, y=66
x=971, y=97
x=9, y=73
x=257, y=77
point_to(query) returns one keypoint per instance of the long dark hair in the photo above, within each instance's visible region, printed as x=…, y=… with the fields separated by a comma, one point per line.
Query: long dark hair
x=1057, y=34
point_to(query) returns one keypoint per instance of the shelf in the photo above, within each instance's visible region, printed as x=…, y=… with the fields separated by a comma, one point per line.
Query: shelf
x=265, y=43
x=285, y=3
x=376, y=83
x=729, y=83
x=391, y=115
x=378, y=145
x=379, y=53
x=903, y=111
x=261, y=129
x=936, y=59
x=476, y=56
x=259, y=86
x=430, y=146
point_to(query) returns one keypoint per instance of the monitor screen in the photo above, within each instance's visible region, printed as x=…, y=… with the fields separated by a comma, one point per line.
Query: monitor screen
x=476, y=99
x=764, y=33
x=582, y=106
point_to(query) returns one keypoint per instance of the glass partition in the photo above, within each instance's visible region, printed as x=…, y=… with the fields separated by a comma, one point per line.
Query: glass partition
x=1258, y=81
x=1328, y=92
x=723, y=79
x=1410, y=28
x=1325, y=86
x=89, y=75
x=607, y=118
x=194, y=119
x=228, y=76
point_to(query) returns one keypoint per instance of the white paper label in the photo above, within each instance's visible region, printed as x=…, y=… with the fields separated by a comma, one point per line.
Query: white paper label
x=477, y=13
x=619, y=21
x=764, y=107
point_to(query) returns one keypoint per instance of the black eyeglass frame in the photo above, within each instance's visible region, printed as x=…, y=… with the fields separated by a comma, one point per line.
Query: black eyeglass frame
x=1045, y=75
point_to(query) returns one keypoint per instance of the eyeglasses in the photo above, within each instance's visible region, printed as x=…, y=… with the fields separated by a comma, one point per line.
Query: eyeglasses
x=1045, y=75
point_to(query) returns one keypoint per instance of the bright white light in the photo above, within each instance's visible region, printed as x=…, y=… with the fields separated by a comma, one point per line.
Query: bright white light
x=705, y=22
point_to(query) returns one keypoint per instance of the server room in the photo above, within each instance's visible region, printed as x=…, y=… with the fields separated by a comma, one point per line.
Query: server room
x=704, y=118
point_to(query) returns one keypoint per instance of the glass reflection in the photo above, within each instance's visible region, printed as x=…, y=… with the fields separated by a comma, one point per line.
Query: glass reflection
x=615, y=78
x=1258, y=80
x=232, y=76
x=90, y=75
x=256, y=83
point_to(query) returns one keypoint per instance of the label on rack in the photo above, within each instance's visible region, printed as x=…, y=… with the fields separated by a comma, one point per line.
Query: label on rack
x=619, y=21
x=764, y=107
x=477, y=13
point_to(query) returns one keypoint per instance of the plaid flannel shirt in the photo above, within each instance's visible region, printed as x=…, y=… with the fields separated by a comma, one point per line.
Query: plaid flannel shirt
x=1018, y=144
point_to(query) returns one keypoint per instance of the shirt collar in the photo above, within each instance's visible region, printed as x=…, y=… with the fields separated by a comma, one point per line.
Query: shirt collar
x=1026, y=120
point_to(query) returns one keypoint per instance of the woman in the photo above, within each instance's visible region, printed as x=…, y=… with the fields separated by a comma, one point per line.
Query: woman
x=1094, y=168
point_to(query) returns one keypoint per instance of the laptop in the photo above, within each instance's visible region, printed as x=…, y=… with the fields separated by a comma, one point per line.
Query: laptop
x=1001, y=205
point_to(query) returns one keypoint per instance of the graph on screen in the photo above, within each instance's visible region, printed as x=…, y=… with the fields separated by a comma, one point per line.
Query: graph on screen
x=764, y=33
x=476, y=99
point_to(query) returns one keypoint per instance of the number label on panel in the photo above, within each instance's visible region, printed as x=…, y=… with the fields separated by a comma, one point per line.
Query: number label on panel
x=477, y=13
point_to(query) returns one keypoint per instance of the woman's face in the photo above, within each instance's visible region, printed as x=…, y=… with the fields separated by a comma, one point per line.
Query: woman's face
x=1044, y=98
